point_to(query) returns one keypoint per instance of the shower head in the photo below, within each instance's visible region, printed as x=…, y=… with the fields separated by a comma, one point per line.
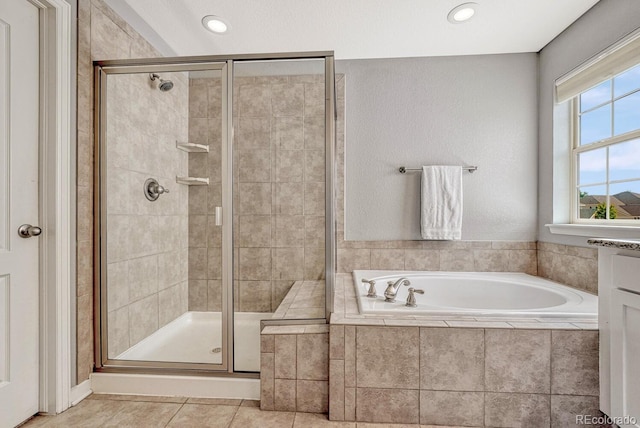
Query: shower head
x=165, y=85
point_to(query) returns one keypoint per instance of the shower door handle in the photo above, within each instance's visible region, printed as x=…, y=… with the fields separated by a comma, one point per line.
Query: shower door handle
x=218, y=216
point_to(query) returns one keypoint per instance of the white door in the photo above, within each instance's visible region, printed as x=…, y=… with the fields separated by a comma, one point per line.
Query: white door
x=19, y=123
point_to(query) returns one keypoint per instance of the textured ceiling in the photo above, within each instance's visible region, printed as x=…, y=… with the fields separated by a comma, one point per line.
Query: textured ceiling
x=352, y=28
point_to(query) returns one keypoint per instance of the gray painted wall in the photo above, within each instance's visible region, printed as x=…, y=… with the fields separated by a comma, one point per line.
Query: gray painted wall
x=604, y=24
x=469, y=110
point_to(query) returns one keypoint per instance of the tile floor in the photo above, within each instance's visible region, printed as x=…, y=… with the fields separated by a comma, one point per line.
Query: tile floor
x=137, y=411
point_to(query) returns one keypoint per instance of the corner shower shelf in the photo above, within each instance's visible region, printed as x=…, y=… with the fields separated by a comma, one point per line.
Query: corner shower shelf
x=192, y=181
x=192, y=147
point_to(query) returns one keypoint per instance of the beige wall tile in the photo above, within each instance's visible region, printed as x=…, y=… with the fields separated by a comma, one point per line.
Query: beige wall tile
x=288, y=263
x=336, y=342
x=118, y=331
x=289, y=165
x=214, y=295
x=143, y=318
x=422, y=260
x=285, y=356
x=491, y=260
x=254, y=231
x=255, y=263
x=387, y=357
x=254, y=133
x=523, y=261
x=350, y=260
x=349, y=357
x=313, y=357
x=255, y=296
x=452, y=359
x=565, y=408
x=197, y=294
x=255, y=100
x=452, y=408
x=288, y=133
x=255, y=198
x=336, y=390
x=267, y=380
x=171, y=304
x=254, y=166
x=289, y=231
x=267, y=343
x=287, y=99
x=314, y=133
x=314, y=166
x=314, y=200
x=531, y=348
x=312, y=396
x=405, y=409
x=314, y=263
x=350, y=404
x=517, y=410
x=314, y=99
x=387, y=259
x=285, y=395
x=574, y=362
x=456, y=260
x=289, y=198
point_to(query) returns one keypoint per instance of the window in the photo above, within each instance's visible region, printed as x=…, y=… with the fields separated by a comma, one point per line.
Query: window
x=606, y=151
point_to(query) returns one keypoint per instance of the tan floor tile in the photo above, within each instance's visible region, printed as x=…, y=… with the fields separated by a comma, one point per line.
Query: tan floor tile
x=215, y=401
x=89, y=413
x=143, y=414
x=252, y=417
x=203, y=415
x=144, y=398
x=317, y=420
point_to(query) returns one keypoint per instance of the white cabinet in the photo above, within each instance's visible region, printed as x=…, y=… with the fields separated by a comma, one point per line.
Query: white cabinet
x=619, y=323
x=625, y=355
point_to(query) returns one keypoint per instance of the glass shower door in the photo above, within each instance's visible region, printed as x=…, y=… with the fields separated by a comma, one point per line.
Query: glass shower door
x=162, y=162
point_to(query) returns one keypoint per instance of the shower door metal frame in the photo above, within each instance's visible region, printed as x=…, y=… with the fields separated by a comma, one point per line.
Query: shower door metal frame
x=224, y=63
x=103, y=70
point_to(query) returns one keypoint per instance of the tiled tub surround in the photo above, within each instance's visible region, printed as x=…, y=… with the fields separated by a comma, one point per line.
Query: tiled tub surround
x=459, y=371
x=570, y=265
x=294, y=368
x=305, y=299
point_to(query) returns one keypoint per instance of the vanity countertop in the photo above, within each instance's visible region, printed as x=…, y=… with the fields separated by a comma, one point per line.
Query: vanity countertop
x=624, y=244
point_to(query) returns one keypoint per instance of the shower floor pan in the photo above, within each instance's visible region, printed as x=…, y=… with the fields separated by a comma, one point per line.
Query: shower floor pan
x=196, y=337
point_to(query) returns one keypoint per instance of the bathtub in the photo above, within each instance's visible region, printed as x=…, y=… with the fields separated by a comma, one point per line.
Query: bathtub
x=495, y=294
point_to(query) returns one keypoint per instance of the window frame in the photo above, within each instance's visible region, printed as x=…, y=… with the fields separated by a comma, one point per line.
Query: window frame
x=577, y=148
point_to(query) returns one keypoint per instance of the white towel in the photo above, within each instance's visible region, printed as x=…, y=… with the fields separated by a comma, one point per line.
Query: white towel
x=441, y=211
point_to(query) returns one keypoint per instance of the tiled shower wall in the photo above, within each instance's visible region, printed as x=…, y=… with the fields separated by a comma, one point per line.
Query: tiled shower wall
x=146, y=241
x=205, y=238
x=102, y=34
x=278, y=186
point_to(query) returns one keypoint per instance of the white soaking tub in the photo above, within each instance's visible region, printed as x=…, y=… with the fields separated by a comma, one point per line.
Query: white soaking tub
x=494, y=294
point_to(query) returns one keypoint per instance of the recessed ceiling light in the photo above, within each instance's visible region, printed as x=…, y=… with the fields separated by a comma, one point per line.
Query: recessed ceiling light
x=215, y=24
x=462, y=13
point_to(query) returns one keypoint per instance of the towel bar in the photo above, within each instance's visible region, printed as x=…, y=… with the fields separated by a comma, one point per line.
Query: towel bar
x=403, y=170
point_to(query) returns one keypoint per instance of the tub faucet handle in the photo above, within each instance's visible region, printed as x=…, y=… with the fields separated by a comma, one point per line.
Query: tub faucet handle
x=411, y=299
x=372, y=287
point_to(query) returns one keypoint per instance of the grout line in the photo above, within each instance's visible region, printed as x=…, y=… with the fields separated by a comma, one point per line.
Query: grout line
x=174, y=415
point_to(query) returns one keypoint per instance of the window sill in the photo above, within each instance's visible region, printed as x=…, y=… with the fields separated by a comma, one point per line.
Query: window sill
x=596, y=231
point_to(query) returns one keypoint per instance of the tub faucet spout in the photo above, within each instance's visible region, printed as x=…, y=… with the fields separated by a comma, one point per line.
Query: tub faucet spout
x=392, y=289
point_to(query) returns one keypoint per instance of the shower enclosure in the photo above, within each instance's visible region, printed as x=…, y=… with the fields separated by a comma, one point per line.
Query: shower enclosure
x=214, y=202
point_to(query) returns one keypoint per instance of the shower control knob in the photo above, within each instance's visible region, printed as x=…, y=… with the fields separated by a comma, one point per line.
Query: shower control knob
x=153, y=189
x=27, y=231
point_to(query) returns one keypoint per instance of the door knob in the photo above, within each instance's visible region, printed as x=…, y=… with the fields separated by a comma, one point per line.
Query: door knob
x=27, y=231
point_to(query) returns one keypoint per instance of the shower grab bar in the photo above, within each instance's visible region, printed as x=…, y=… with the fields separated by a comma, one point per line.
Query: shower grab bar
x=403, y=170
